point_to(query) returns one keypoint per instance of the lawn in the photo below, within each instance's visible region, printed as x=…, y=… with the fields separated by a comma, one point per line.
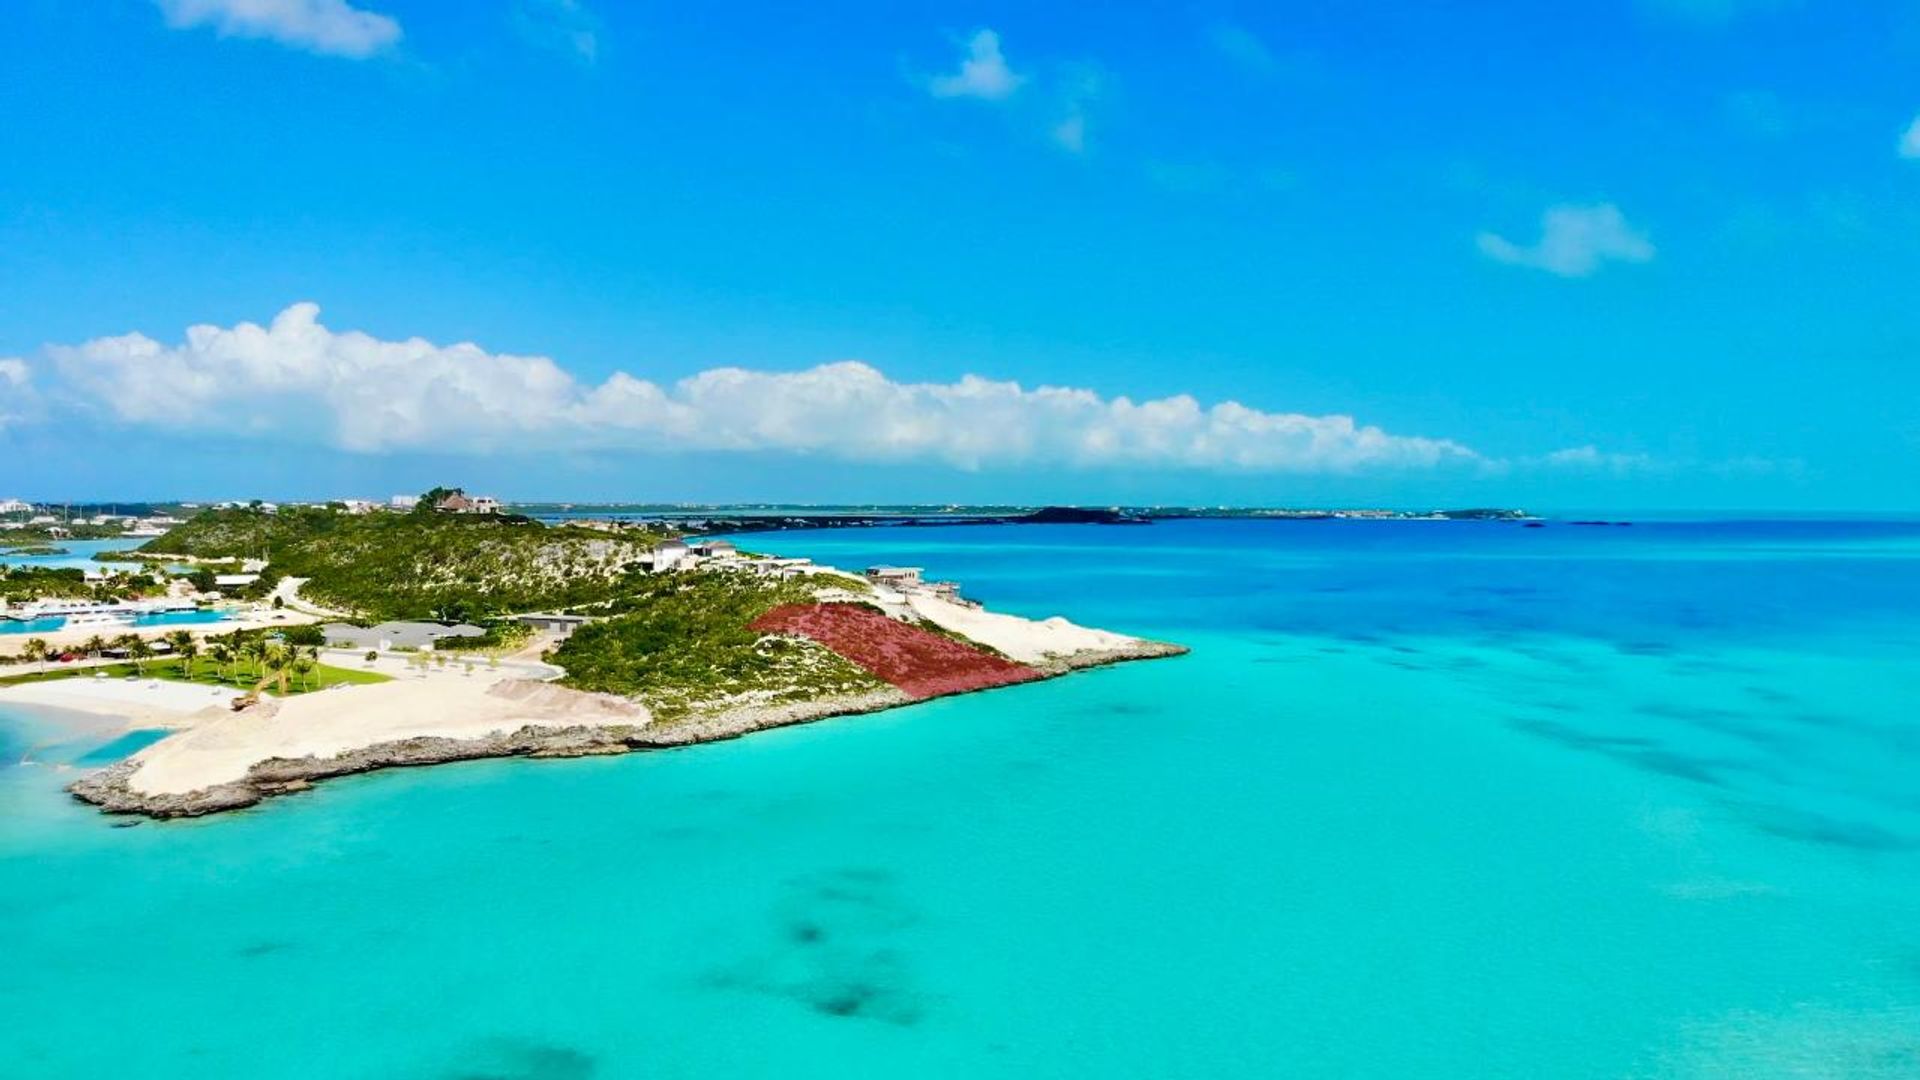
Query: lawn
x=321, y=677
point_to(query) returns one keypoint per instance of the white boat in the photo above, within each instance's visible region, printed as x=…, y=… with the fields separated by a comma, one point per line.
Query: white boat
x=88, y=619
x=57, y=609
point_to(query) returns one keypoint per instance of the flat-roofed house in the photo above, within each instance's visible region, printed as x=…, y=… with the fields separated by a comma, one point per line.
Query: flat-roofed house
x=669, y=554
x=897, y=577
x=559, y=624
x=396, y=635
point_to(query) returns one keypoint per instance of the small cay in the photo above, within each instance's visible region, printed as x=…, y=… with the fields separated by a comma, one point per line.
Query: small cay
x=640, y=643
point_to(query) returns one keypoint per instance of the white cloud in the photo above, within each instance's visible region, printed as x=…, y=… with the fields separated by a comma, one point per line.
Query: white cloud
x=1080, y=87
x=296, y=379
x=983, y=72
x=334, y=27
x=1594, y=459
x=566, y=26
x=1071, y=134
x=1910, y=142
x=17, y=399
x=1574, y=241
x=1238, y=45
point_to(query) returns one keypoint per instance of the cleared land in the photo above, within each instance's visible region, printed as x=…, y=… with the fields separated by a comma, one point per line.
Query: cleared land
x=918, y=662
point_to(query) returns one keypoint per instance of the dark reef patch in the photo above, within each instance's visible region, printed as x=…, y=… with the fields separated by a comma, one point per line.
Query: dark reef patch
x=1832, y=832
x=507, y=1058
x=834, y=951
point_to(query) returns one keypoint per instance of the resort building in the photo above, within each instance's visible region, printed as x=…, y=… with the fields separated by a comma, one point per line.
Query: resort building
x=395, y=635
x=715, y=549
x=669, y=554
x=15, y=506
x=560, y=624
x=895, y=577
x=461, y=503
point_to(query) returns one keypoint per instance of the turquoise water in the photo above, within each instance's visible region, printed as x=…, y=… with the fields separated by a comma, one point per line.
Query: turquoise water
x=165, y=618
x=75, y=553
x=1427, y=800
x=79, y=554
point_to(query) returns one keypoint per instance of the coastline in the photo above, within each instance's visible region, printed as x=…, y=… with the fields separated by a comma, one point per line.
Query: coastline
x=114, y=791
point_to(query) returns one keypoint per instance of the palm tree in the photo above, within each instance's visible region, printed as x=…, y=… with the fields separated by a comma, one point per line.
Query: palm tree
x=221, y=651
x=139, y=652
x=279, y=665
x=94, y=646
x=36, y=650
x=303, y=665
x=184, y=647
x=256, y=649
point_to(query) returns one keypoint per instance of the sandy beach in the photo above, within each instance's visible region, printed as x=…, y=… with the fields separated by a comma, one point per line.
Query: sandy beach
x=220, y=749
x=1029, y=641
x=219, y=759
x=147, y=703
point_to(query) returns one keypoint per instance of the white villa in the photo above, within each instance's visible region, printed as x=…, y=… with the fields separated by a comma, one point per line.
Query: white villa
x=670, y=554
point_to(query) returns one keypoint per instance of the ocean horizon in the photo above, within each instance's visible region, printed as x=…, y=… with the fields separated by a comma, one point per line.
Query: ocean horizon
x=1463, y=799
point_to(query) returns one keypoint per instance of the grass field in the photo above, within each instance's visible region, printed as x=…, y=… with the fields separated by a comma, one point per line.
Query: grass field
x=321, y=677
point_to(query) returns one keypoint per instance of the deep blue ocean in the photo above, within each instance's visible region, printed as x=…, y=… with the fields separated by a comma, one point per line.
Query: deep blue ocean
x=1452, y=800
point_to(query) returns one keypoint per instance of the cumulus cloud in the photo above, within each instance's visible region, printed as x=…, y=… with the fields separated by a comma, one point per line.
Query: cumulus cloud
x=1080, y=88
x=565, y=26
x=17, y=399
x=1242, y=48
x=1594, y=459
x=983, y=73
x=295, y=378
x=1574, y=241
x=1910, y=142
x=332, y=27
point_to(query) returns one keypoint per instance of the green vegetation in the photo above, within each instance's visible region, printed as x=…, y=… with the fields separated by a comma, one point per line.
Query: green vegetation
x=22, y=583
x=15, y=535
x=502, y=636
x=682, y=641
x=318, y=677
x=420, y=565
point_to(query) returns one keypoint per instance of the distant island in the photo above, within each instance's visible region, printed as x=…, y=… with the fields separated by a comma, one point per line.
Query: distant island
x=760, y=518
x=360, y=637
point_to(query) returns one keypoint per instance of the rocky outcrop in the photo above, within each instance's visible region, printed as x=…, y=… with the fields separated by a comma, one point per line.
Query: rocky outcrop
x=112, y=791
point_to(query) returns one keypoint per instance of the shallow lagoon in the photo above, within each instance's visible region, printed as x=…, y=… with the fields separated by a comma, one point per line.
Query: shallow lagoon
x=1427, y=799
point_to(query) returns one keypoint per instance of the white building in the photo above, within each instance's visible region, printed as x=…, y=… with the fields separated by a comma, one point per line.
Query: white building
x=669, y=554
x=15, y=506
x=895, y=577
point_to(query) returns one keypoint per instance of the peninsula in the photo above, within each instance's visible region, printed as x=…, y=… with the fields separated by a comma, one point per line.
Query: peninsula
x=450, y=630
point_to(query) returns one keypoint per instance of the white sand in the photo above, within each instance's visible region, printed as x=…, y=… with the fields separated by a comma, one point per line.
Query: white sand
x=145, y=703
x=1028, y=641
x=221, y=749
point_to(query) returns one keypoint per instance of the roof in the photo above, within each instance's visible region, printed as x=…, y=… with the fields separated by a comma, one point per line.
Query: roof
x=411, y=634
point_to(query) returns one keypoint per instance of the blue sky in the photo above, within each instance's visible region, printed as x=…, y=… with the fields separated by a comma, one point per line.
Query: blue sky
x=1632, y=253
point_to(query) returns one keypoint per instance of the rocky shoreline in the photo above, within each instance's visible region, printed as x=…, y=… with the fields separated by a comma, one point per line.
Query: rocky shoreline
x=110, y=789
